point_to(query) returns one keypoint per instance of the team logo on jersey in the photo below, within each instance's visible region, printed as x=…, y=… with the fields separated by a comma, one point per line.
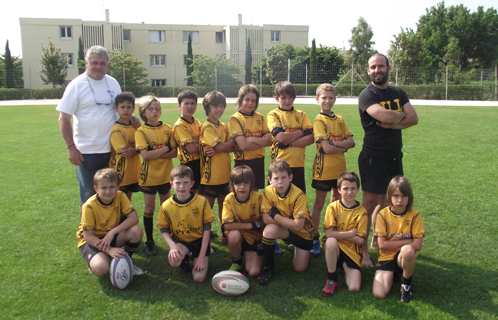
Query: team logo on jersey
x=253, y=206
x=258, y=122
x=297, y=119
x=175, y=216
x=407, y=223
x=195, y=212
x=101, y=216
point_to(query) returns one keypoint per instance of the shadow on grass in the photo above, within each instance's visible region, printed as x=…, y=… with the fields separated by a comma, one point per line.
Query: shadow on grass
x=462, y=291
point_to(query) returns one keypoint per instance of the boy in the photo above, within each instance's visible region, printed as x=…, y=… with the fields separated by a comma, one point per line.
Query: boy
x=291, y=132
x=185, y=224
x=345, y=231
x=101, y=234
x=124, y=156
x=400, y=230
x=333, y=138
x=286, y=215
x=154, y=141
x=186, y=133
x=241, y=221
x=215, y=148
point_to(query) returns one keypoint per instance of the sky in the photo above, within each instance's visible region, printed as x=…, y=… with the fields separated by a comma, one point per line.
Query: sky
x=330, y=23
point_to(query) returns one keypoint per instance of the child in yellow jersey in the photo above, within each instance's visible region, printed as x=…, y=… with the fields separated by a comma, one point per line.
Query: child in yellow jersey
x=215, y=147
x=124, y=156
x=154, y=140
x=333, y=139
x=102, y=232
x=399, y=229
x=241, y=220
x=185, y=224
x=186, y=132
x=250, y=132
x=286, y=216
x=291, y=130
x=345, y=231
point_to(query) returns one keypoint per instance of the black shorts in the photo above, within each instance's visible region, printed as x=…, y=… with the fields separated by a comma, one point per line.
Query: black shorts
x=88, y=252
x=343, y=257
x=161, y=189
x=324, y=185
x=390, y=265
x=129, y=188
x=258, y=168
x=376, y=173
x=298, y=178
x=214, y=191
x=195, y=165
x=299, y=242
x=194, y=247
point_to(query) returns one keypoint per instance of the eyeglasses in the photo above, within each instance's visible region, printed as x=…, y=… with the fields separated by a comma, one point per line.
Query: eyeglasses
x=108, y=91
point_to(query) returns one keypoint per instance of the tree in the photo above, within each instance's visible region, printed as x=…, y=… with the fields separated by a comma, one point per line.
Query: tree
x=134, y=72
x=9, y=67
x=208, y=69
x=361, y=44
x=81, y=57
x=190, y=61
x=313, y=62
x=54, y=65
x=248, y=64
x=276, y=63
x=453, y=36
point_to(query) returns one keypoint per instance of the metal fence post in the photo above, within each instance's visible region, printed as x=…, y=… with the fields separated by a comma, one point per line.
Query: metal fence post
x=306, y=79
x=261, y=79
x=352, y=78
x=288, y=70
x=30, y=86
x=124, y=79
x=216, y=77
x=446, y=83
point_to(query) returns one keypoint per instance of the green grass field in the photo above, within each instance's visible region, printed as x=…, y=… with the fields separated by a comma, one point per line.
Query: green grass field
x=450, y=158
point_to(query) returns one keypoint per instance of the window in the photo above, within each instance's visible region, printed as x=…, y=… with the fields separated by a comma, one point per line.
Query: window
x=158, y=82
x=185, y=59
x=219, y=37
x=70, y=59
x=275, y=36
x=126, y=35
x=157, y=60
x=66, y=32
x=194, y=35
x=157, y=36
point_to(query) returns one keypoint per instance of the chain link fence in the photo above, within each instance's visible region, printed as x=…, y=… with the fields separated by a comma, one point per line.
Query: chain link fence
x=419, y=83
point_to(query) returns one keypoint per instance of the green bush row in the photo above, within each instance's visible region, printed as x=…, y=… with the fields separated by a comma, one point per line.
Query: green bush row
x=425, y=91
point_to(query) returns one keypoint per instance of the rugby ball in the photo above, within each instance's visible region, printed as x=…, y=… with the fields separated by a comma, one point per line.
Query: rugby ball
x=230, y=283
x=121, y=272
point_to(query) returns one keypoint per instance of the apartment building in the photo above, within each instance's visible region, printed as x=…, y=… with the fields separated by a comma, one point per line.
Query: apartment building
x=161, y=47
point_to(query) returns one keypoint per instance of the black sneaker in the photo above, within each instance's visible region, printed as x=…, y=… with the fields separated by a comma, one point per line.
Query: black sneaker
x=265, y=276
x=150, y=248
x=184, y=268
x=213, y=235
x=406, y=293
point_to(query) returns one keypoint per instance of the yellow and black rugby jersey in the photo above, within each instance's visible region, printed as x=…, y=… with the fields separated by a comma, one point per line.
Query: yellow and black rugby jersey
x=243, y=212
x=325, y=127
x=157, y=171
x=215, y=170
x=123, y=136
x=345, y=219
x=185, y=221
x=248, y=126
x=185, y=132
x=102, y=218
x=290, y=121
x=294, y=205
x=398, y=227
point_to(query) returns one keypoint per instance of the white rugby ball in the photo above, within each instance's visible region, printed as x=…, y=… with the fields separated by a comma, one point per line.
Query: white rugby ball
x=230, y=283
x=121, y=272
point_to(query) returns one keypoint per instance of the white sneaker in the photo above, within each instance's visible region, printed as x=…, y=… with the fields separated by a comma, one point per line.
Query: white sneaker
x=211, y=251
x=137, y=271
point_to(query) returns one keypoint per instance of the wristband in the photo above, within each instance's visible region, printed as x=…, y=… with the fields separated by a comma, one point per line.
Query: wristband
x=256, y=226
x=331, y=143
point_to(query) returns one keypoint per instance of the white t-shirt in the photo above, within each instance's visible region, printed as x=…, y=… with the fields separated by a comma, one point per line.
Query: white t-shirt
x=92, y=123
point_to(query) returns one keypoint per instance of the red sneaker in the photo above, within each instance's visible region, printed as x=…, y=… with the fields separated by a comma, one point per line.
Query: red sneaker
x=329, y=289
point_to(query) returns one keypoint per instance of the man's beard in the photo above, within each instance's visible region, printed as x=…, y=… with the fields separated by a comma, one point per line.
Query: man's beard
x=383, y=79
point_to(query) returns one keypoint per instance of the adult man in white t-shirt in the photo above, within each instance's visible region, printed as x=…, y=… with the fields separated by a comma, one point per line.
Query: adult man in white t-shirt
x=89, y=101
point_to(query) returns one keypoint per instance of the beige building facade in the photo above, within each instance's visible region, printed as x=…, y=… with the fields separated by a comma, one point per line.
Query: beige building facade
x=161, y=47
